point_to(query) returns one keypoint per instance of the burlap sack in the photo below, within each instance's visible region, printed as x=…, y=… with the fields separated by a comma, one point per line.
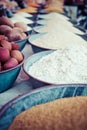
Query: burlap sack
x=54, y=6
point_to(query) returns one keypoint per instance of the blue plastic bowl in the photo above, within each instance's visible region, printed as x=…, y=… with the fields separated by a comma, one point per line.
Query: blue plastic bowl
x=8, y=77
x=35, y=97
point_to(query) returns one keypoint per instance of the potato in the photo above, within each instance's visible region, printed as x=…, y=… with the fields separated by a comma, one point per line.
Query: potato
x=17, y=55
x=18, y=29
x=15, y=46
x=12, y=62
x=14, y=36
x=6, y=44
x=24, y=35
x=21, y=25
x=3, y=37
x=4, y=54
x=4, y=29
x=6, y=21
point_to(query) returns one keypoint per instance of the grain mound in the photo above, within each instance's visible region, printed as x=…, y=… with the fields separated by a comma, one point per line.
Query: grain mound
x=61, y=114
x=64, y=66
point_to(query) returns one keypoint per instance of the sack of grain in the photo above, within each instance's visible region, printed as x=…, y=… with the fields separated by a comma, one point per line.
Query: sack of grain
x=55, y=6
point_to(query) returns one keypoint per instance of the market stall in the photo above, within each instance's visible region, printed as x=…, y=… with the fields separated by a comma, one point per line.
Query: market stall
x=54, y=57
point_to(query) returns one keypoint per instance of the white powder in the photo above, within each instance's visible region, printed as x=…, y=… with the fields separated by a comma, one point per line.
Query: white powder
x=42, y=22
x=57, y=39
x=62, y=66
x=53, y=26
x=58, y=23
x=21, y=16
x=18, y=19
x=52, y=15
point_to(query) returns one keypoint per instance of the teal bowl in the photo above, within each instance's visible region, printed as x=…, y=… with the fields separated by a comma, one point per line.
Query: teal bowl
x=8, y=77
x=38, y=96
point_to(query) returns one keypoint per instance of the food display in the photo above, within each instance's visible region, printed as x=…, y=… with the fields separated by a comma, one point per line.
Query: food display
x=61, y=62
x=59, y=33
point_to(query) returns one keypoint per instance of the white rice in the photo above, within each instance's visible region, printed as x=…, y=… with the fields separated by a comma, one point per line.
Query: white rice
x=55, y=20
x=42, y=22
x=57, y=39
x=64, y=66
x=57, y=23
x=52, y=15
x=20, y=19
x=52, y=27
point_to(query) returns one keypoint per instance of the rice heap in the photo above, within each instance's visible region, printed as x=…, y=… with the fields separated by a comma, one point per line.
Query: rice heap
x=58, y=21
x=53, y=14
x=57, y=39
x=64, y=66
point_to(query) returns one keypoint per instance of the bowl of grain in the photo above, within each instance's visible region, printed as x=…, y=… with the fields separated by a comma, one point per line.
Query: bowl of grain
x=62, y=66
x=52, y=39
x=50, y=101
